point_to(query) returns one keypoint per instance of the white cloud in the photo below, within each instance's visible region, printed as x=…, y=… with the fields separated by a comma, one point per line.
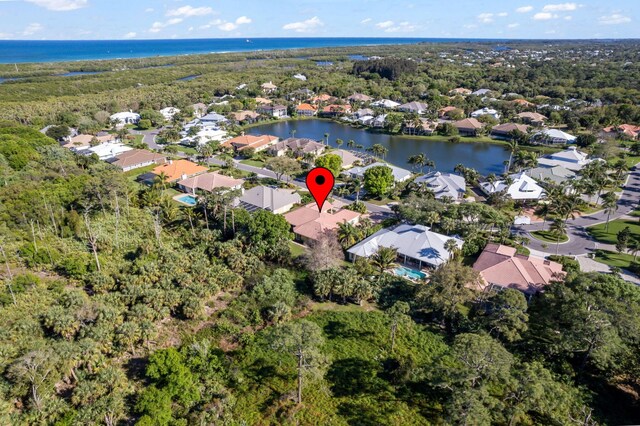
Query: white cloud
x=307, y=26
x=485, y=18
x=158, y=26
x=365, y=21
x=402, y=27
x=60, y=5
x=149, y=9
x=385, y=24
x=514, y=25
x=544, y=16
x=189, y=11
x=568, y=18
x=230, y=26
x=129, y=35
x=524, y=9
x=503, y=14
x=614, y=19
x=31, y=29
x=563, y=7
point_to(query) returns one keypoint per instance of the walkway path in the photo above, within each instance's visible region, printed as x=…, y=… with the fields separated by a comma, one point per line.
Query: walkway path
x=580, y=242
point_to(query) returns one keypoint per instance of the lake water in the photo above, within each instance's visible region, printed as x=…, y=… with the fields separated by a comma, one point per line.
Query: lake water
x=484, y=157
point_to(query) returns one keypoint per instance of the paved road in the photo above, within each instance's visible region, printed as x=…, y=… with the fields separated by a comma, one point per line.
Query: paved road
x=580, y=242
x=373, y=208
x=149, y=138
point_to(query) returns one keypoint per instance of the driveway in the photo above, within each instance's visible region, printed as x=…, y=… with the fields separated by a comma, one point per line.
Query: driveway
x=148, y=138
x=580, y=242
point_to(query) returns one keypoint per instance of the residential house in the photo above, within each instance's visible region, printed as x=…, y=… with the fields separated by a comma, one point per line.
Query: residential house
x=553, y=137
x=107, y=150
x=445, y=111
x=501, y=267
x=444, y=185
x=136, y=158
x=413, y=107
x=263, y=101
x=308, y=223
x=570, y=158
x=213, y=119
x=359, y=97
x=623, y=131
x=299, y=146
x=416, y=245
x=210, y=182
x=82, y=142
x=169, y=112
x=555, y=174
x=276, y=111
x=519, y=187
x=481, y=92
x=244, y=117
x=275, y=200
x=205, y=136
x=460, y=91
x=176, y=170
x=424, y=127
x=199, y=109
x=399, y=174
x=533, y=118
x=386, y=103
x=257, y=143
x=300, y=94
x=380, y=121
x=306, y=110
x=335, y=110
x=347, y=157
x=300, y=77
x=485, y=111
x=321, y=98
x=364, y=112
x=523, y=103
x=124, y=118
x=505, y=131
x=468, y=126
x=268, y=87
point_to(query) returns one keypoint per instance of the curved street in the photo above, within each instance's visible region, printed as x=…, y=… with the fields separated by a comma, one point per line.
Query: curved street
x=580, y=242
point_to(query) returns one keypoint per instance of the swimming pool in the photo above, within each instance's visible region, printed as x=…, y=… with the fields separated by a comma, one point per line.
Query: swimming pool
x=412, y=274
x=189, y=200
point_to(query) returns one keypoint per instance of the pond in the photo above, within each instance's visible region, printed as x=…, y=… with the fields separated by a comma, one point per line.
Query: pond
x=484, y=157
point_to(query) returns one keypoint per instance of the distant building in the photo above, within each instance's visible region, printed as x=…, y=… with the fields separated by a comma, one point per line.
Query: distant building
x=275, y=111
x=553, y=137
x=414, y=107
x=533, y=118
x=335, y=110
x=257, y=143
x=385, y=103
x=137, y=158
x=460, y=91
x=299, y=146
x=359, y=97
x=245, y=117
x=199, y=109
x=468, y=126
x=486, y=111
x=504, y=131
x=124, y=118
x=268, y=87
x=624, y=131
x=306, y=110
x=169, y=112
x=399, y=174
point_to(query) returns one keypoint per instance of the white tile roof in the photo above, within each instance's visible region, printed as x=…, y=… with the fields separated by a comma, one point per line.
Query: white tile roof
x=399, y=174
x=523, y=187
x=444, y=184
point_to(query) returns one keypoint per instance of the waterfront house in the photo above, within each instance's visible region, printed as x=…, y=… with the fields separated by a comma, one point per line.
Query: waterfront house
x=623, y=131
x=425, y=127
x=501, y=267
x=399, y=174
x=275, y=200
x=444, y=185
x=275, y=111
x=137, y=158
x=308, y=223
x=364, y=112
x=335, y=110
x=176, y=170
x=244, y=117
x=299, y=146
x=347, y=157
x=124, y=118
x=553, y=137
x=570, y=158
x=379, y=121
x=519, y=187
x=555, y=174
x=533, y=118
x=504, y=131
x=268, y=87
x=417, y=245
x=446, y=112
x=169, y=112
x=209, y=182
x=468, y=126
x=322, y=97
x=306, y=110
x=485, y=111
x=413, y=107
x=386, y=103
x=359, y=97
x=257, y=143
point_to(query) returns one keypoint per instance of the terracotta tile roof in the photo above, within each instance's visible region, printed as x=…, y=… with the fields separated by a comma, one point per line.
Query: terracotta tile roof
x=177, y=169
x=337, y=108
x=626, y=129
x=308, y=222
x=138, y=156
x=210, y=181
x=468, y=123
x=243, y=115
x=305, y=107
x=532, y=116
x=509, y=127
x=500, y=266
x=85, y=140
x=250, y=141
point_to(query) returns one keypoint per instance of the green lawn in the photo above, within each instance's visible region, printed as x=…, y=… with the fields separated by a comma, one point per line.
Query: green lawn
x=142, y=170
x=549, y=237
x=632, y=161
x=614, y=259
x=600, y=233
x=137, y=139
x=187, y=150
x=296, y=249
x=254, y=163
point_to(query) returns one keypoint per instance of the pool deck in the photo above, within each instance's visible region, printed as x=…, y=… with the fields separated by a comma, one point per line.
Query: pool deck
x=177, y=199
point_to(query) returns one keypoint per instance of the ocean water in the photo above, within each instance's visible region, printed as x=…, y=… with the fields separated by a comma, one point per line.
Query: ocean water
x=21, y=51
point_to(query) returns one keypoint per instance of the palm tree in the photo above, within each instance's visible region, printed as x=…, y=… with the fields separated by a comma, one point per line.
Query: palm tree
x=351, y=143
x=339, y=142
x=326, y=138
x=384, y=258
x=559, y=228
x=513, y=147
x=162, y=179
x=348, y=234
x=610, y=204
x=379, y=150
x=432, y=217
x=293, y=133
x=451, y=247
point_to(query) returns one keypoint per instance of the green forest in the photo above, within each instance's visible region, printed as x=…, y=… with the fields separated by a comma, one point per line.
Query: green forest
x=119, y=306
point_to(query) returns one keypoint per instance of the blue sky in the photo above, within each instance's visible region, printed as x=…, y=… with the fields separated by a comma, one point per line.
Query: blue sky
x=144, y=19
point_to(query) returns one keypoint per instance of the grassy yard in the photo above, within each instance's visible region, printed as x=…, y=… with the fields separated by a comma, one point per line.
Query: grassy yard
x=632, y=161
x=600, y=233
x=297, y=250
x=187, y=150
x=549, y=237
x=133, y=174
x=610, y=258
x=254, y=163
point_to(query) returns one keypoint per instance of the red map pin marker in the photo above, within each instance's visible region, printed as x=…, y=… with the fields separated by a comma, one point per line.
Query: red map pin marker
x=320, y=182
